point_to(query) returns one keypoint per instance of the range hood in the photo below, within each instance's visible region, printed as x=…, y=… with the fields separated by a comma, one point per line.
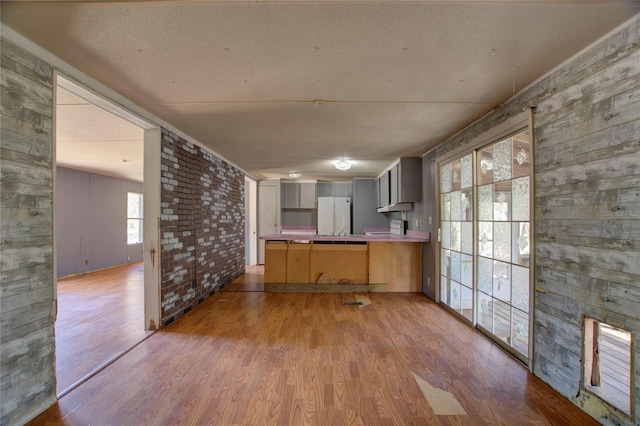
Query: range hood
x=398, y=207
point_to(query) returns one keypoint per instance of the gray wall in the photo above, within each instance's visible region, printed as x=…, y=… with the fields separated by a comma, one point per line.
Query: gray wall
x=27, y=358
x=587, y=204
x=364, y=207
x=91, y=222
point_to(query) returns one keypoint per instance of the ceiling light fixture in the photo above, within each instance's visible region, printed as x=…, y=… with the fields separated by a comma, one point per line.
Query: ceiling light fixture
x=343, y=164
x=294, y=175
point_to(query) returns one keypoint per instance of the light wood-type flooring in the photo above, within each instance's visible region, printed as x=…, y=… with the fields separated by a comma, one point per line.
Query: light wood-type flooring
x=100, y=315
x=254, y=358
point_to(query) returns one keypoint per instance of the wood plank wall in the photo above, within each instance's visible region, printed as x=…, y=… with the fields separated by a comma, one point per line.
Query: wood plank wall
x=27, y=378
x=587, y=204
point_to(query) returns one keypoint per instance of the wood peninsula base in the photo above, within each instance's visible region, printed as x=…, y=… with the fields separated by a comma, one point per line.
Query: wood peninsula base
x=343, y=266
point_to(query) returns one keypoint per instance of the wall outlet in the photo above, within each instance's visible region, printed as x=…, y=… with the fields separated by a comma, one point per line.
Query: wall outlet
x=430, y=220
x=194, y=283
x=128, y=258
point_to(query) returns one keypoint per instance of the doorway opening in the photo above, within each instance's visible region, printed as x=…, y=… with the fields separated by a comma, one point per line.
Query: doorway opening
x=99, y=268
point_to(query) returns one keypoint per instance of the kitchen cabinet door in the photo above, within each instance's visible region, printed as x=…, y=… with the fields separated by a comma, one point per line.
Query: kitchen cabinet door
x=394, y=189
x=290, y=195
x=384, y=197
x=408, y=185
x=298, y=195
x=307, y=198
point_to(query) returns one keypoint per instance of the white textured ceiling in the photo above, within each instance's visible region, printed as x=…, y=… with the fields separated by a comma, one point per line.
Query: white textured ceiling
x=91, y=139
x=279, y=86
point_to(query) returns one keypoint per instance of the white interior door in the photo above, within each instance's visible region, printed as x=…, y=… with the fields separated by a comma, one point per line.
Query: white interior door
x=267, y=214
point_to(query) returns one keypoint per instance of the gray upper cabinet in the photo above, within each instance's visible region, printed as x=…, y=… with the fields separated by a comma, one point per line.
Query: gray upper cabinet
x=406, y=181
x=401, y=185
x=299, y=195
x=383, y=190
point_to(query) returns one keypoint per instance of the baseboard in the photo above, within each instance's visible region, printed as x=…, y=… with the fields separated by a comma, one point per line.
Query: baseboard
x=36, y=410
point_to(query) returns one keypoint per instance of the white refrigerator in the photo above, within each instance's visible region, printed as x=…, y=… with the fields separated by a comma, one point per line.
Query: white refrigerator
x=334, y=215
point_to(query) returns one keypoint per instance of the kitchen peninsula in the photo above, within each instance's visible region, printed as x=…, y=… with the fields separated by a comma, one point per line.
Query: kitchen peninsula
x=350, y=263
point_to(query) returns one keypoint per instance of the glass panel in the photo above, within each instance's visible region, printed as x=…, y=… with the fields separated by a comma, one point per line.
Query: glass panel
x=455, y=205
x=485, y=240
x=485, y=275
x=485, y=311
x=444, y=290
x=466, y=238
x=502, y=241
x=520, y=197
x=485, y=166
x=446, y=235
x=455, y=236
x=134, y=231
x=520, y=243
x=485, y=202
x=455, y=266
x=502, y=160
x=520, y=287
x=502, y=320
x=502, y=281
x=445, y=206
x=466, y=171
x=521, y=155
x=466, y=270
x=445, y=263
x=445, y=178
x=134, y=205
x=455, y=295
x=466, y=302
x=502, y=201
x=455, y=175
x=466, y=205
x=520, y=331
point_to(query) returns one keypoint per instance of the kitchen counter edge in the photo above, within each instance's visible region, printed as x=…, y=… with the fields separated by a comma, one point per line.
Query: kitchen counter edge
x=423, y=237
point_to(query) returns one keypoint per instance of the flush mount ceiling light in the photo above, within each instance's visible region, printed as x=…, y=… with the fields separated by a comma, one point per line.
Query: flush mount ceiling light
x=343, y=164
x=295, y=175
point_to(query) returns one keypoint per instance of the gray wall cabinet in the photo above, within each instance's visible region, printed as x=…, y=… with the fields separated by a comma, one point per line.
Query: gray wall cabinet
x=402, y=183
x=299, y=195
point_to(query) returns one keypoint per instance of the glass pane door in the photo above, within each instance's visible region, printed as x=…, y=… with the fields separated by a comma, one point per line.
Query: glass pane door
x=456, y=252
x=503, y=187
x=484, y=255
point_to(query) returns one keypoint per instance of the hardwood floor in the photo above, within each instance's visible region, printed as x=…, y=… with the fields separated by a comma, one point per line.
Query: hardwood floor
x=100, y=315
x=293, y=359
x=252, y=280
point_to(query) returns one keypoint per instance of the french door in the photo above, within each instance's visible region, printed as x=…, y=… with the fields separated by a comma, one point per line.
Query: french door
x=485, y=220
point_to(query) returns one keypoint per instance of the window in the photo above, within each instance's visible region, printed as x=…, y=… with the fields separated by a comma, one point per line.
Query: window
x=607, y=363
x=134, y=218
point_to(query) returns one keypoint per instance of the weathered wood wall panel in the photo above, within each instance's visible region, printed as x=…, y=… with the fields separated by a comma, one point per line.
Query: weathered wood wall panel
x=587, y=204
x=27, y=376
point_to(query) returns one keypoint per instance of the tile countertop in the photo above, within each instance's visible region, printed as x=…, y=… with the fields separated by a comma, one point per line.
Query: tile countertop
x=410, y=237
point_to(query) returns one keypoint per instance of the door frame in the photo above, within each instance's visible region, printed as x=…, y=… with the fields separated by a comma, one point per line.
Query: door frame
x=151, y=193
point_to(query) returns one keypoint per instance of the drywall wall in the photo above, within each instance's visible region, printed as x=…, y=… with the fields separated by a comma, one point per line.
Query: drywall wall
x=91, y=222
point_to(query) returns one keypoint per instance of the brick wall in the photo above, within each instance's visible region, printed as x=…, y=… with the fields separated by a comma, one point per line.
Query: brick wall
x=27, y=358
x=587, y=155
x=202, y=228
